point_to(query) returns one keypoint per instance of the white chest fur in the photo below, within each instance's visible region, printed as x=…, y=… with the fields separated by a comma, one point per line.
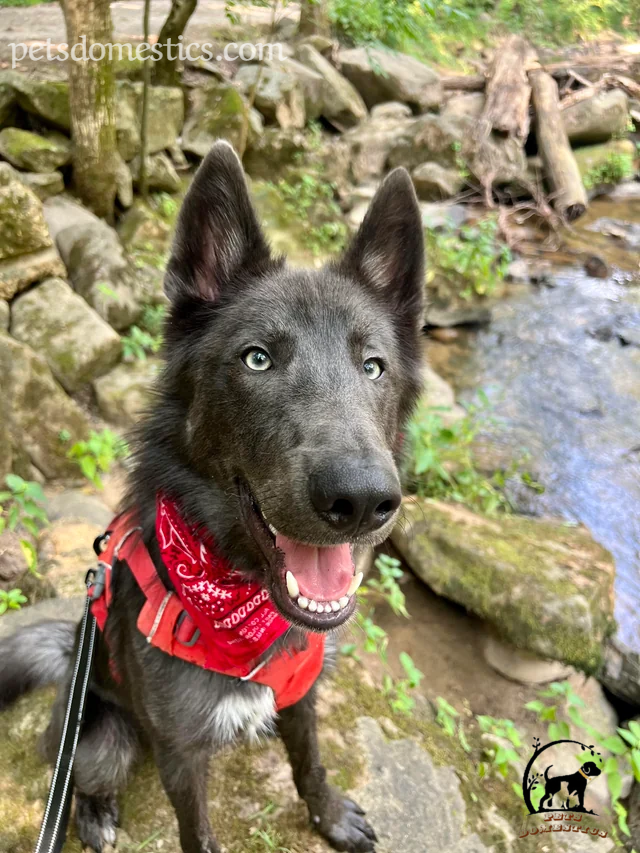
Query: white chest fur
x=251, y=715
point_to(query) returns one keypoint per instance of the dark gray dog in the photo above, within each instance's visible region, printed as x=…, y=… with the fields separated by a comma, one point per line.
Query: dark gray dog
x=278, y=421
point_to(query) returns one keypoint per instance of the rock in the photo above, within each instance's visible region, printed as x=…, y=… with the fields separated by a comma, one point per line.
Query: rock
x=217, y=111
x=46, y=99
x=434, y=182
x=380, y=75
x=274, y=152
x=435, y=215
x=311, y=82
x=165, y=118
x=124, y=183
x=342, y=106
x=66, y=609
x=161, y=174
x=13, y=562
x=594, y=157
x=77, y=505
x=26, y=150
x=446, y=309
x=372, y=141
x=65, y=552
x=597, y=119
x=44, y=185
x=37, y=410
x=438, y=394
x=77, y=343
x=279, y=95
x=436, y=138
x=98, y=268
x=8, y=103
x=124, y=393
x=621, y=674
x=22, y=226
x=390, y=110
x=470, y=104
x=522, y=666
x=546, y=587
x=5, y=315
x=323, y=44
x=18, y=273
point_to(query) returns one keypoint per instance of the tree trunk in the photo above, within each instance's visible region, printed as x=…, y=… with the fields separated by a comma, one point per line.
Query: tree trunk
x=91, y=100
x=561, y=169
x=167, y=69
x=314, y=18
x=508, y=92
x=144, y=118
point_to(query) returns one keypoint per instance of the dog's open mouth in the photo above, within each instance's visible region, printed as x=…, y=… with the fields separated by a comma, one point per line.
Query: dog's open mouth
x=314, y=586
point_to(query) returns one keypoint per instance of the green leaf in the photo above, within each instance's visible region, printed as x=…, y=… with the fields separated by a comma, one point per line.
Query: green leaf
x=614, y=781
x=614, y=744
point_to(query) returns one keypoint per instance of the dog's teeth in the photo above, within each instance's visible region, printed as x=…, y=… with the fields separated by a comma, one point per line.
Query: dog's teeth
x=313, y=606
x=335, y=606
x=292, y=585
x=303, y=602
x=320, y=608
x=272, y=529
x=343, y=602
x=355, y=583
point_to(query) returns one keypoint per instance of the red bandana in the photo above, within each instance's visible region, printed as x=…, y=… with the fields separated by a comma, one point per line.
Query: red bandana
x=237, y=620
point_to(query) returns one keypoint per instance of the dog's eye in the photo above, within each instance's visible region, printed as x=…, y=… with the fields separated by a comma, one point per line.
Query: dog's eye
x=373, y=368
x=257, y=359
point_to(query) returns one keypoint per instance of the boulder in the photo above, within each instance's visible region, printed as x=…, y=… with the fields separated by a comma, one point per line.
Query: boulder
x=161, y=173
x=342, y=106
x=380, y=75
x=545, y=587
x=372, y=141
x=165, y=117
x=275, y=152
x=13, y=562
x=48, y=100
x=58, y=324
x=124, y=183
x=311, y=82
x=278, y=96
x=44, y=184
x=470, y=104
x=597, y=119
x=593, y=157
x=35, y=153
x=36, y=410
x=98, y=268
x=434, y=182
x=217, y=111
x=124, y=393
x=5, y=315
x=7, y=103
x=27, y=253
x=431, y=138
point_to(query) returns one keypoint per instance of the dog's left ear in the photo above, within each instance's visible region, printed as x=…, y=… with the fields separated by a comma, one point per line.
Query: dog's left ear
x=218, y=235
x=387, y=253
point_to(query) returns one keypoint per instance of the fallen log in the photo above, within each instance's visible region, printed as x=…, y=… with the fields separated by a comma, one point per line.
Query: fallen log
x=506, y=108
x=561, y=169
x=464, y=83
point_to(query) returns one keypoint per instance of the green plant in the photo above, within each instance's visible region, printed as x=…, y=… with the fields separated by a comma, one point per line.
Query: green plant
x=137, y=343
x=165, y=205
x=386, y=585
x=448, y=718
x=399, y=690
x=471, y=260
x=97, y=454
x=265, y=837
x=615, y=169
x=501, y=756
x=382, y=22
x=12, y=599
x=311, y=200
x=22, y=505
x=561, y=21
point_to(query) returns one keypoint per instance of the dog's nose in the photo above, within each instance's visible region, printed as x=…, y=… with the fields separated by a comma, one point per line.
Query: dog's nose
x=355, y=497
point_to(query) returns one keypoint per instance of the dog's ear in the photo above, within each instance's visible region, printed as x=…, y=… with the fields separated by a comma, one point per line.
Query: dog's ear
x=388, y=250
x=217, y=233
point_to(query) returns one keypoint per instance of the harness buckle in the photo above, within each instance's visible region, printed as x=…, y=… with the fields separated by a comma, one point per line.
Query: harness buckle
x=180, y=621
x=96, y=584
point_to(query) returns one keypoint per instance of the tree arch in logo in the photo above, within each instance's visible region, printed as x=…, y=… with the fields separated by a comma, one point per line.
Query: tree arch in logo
x=574, y=784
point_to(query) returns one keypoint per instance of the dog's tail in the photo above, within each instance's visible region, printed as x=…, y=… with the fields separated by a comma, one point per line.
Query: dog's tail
x=33, y=657
x=546, y=773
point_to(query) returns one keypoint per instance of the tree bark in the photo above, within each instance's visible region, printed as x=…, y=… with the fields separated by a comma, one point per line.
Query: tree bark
x=508, y=92
x=314, y=18
x=91, y=100
x=463, y=83
x=561, y=169
x=144, y=118
x=167, y=69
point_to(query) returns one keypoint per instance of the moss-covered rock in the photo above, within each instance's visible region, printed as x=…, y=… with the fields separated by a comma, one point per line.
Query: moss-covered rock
x=546, y=586
x=5, y=315
x=606, y=163
x=43, y=184
x=278, y=94
x=598, y=118
x=341, y=104
x=125, y=392
x=36, y=410
x=22, y=225
x=434, y=182
x=165, y=118
x=77, y=343
x=46, y=99
x=217, y=111
x=33, y=152
x=161, y=173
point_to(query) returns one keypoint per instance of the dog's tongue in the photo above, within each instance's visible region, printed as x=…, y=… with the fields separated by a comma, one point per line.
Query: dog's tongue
x=322, y=573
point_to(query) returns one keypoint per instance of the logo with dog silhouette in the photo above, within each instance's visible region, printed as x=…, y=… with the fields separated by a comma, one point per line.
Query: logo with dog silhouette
x=562, y=792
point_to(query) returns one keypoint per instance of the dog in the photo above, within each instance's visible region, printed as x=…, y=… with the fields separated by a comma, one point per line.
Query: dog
x=277, y=430
x=576, y=784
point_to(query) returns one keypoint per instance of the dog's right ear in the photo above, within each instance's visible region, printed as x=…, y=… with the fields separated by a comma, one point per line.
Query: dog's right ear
x=217, y=234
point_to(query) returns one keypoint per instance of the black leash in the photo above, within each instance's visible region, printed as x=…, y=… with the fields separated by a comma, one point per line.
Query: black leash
x=53, y=831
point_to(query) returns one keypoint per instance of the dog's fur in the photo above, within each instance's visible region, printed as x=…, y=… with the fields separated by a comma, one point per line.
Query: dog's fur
x=213, y=425
x=576, y=784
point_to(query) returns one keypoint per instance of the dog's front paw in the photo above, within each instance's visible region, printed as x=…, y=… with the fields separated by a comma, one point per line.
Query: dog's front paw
x=342, y=823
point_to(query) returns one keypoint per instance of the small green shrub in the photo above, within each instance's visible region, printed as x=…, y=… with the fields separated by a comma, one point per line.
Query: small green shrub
x=615, y=169
x=97, y=454
x=12, y=599
x=384, y=22
x=471, y=260
x=308, y=199
x=561, y=21
x=22, y=505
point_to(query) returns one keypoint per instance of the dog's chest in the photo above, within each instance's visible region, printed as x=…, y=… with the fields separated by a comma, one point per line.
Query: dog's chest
x=249, y=714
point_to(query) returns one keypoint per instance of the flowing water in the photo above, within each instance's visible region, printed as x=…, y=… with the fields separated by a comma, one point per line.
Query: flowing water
x=561, y=367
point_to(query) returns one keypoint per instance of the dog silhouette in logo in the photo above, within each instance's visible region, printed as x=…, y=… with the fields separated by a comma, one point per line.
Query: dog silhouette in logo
x=576, y=784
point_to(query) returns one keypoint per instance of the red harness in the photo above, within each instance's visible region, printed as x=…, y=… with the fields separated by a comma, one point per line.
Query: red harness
x=172, y=620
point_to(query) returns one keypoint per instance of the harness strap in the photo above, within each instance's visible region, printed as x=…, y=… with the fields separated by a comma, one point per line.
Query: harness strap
x=56, y=816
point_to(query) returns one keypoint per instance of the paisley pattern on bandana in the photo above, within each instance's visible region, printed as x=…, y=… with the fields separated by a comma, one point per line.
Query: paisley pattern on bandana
x=236, y=617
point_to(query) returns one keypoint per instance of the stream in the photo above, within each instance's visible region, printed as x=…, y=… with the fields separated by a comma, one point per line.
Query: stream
x=560, y=364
